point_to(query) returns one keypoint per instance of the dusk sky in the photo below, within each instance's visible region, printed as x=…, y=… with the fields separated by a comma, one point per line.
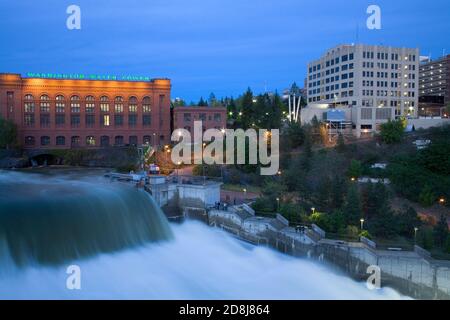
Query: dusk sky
x=220, y=46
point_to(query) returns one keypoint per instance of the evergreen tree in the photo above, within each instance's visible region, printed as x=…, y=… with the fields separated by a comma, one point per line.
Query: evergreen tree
x=353, y=209
x=440, y=231
x=8, y=133
x=202, y=103
x=338, y=192
x=340, y=146
x=407, y=221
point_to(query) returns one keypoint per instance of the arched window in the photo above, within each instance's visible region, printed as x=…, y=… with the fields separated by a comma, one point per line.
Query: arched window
x=118, y=105
x=60, y=140
x=132, y=105
x=75, y=104
x=60, y=104
x=45, y=141
x=45, y=103
x=29, y=103
x=147, y=139
x=146, y=105
x=30, y=141
x=75, y=141
x=90, y=104
x=118, y=140
x=133, y=140
x=90, y=141
x=104, y=104
x=104, y=141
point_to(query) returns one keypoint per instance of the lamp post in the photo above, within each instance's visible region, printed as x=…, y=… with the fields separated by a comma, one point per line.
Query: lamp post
x=278, y=204
x=313, y=210
x=362, y=224
x=442, y=201
x=415, y=234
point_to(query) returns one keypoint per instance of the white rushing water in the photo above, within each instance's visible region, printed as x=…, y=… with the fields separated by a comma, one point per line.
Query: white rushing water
x=200, y=263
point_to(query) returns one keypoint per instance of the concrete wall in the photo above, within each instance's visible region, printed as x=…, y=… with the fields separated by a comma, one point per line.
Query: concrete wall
x=427, y=123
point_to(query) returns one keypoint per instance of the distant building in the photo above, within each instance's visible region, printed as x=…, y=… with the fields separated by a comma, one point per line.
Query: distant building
x=434, y=90
x=77, y=111
x=211, y=117
x=378, y=83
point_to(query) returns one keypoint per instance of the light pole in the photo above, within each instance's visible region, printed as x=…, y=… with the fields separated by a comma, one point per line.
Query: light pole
x=313, y=210
x=415, y=234
x=442, y=201
x=278, y=204
x=362, y=224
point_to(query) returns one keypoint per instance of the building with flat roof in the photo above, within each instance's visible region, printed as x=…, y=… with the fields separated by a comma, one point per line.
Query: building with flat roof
x=434, y=82
x=211, y=117
x=365, y=76
x=72, y=111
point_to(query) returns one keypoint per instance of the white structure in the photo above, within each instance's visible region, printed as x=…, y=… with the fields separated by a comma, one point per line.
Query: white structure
x=366, y=76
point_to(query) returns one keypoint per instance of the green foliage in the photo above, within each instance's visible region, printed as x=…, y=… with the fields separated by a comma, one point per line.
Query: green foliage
x=392, y=131
x=427, y=197
x=355, y=170
x=440, y=232
x=407, y=220
x=365, y=234
x=340, y=145
x=207, y=170
x=353, y=208
x=447, y=244
x=425, y=238
x=8, y=133
x=295, y=134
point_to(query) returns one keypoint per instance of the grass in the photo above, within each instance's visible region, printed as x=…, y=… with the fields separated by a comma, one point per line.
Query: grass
x=240, y=188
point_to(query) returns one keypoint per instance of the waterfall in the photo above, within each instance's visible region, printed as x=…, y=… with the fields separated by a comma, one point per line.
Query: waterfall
x=50, y=221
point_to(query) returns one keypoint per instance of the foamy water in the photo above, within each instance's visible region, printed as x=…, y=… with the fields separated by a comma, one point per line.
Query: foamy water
x=200, y=263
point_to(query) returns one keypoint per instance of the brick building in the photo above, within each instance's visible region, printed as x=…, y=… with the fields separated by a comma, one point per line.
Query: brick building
x=63, y=112
x=211, y=117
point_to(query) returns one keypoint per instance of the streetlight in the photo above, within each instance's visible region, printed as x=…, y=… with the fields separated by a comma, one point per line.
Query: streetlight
x=415, y=234
x=278, y=204
x=313, y=210
x=442, y=201
x=362, y=224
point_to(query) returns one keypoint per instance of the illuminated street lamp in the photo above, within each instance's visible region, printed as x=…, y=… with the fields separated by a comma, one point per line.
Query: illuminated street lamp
x=278, y=204
x=415, y=234
x=313, y=210
x=442, y=201
x=362, y=224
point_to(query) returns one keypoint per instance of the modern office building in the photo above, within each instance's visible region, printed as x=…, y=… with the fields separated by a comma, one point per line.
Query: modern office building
x=211, y=117
x=71, y=111
x=370, y=77
x=434, y=86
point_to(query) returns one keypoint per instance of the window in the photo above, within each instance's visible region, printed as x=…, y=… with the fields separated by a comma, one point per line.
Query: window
x=146, y=120
x=60, y=120
x=90, y=120
x=118, y=120
x=29, y=141
x=45, y=141
x=75, y=104
x=90, y=104
x=187, y=117
x=118, y=140
x=60, y=140
x=75, y=141
x=90, y=141
x=133, y=140
x=29, y=120
x=45, y=103
x=104, y=104
x=217, y=117
x=104, y=120
x=104, y=141
x=202, y=116
x=118, y=105
x=45, y=120
x=147, y=139
x=132, y=120
x=146, y=105
x=60, y=105
x=75, y=121
x=132, y=105
x=29, y=103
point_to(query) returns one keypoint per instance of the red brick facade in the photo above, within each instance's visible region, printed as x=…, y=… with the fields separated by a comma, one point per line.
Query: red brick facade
x=211, y=117
x=64, y=113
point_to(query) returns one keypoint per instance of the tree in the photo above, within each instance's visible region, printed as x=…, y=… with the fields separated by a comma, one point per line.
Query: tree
x=392, y=131
x=340, y=145
x=440, y=231
x=212, y=101
x=338, y=192
x=8, y=133
x=407, y=221
x=202, y=103
x=352, y=209
x=355, y=170
x=427, y=197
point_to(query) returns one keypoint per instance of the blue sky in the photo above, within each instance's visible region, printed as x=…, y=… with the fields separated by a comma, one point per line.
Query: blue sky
x=220, y=46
